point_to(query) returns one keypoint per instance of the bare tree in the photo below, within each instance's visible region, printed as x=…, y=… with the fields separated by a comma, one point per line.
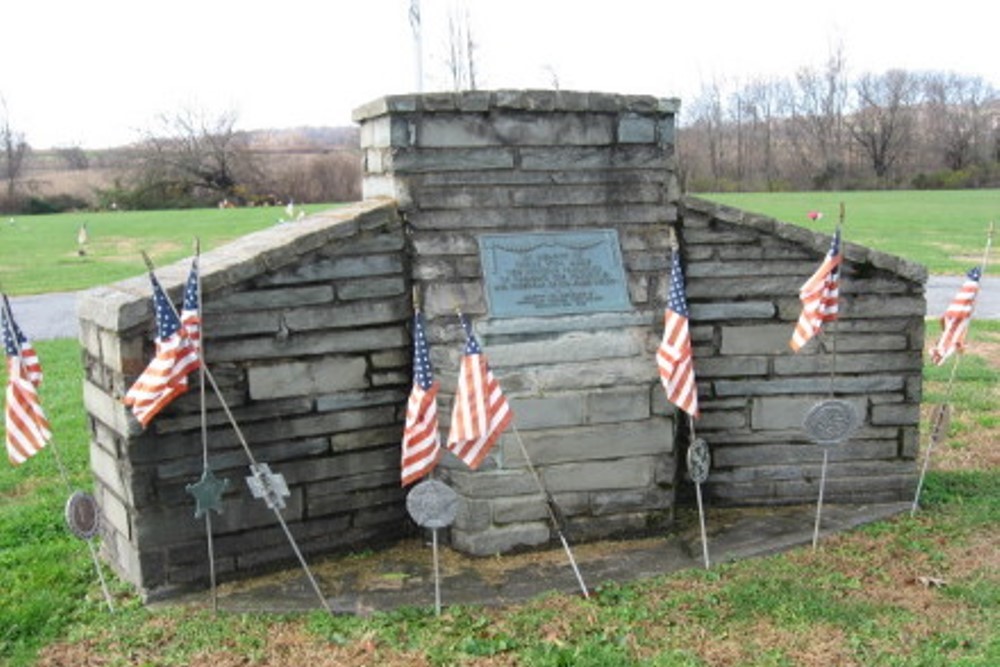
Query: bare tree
x=461, y=56
x=195, y=158
x=883, y=123
x=816, y=127
x=709, y=124
x=75, y=158
x=958, y=120
x=14, y=152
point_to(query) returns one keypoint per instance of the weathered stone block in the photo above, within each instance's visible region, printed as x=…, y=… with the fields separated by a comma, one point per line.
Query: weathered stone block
x=896, y=414
x=636, y=129
x=599, y=475
x=306, y=378
x=598, y=441
x=756, y=339
x=519, y=509
x=774, y=413
x=501, y=539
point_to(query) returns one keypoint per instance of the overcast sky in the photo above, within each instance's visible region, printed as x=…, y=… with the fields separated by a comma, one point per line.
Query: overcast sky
x=93, y=73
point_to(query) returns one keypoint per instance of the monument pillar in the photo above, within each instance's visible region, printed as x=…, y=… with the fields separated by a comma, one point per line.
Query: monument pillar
x=543, y=216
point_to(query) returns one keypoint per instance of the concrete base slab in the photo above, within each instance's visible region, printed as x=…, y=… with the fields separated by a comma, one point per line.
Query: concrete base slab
x=403, y=576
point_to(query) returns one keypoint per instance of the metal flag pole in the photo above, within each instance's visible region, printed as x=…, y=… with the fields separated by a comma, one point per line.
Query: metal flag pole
x=262, y=474
x=206, y=469
x=64, y=475
x=550, y=507
x=940, y=418
x=833, y=376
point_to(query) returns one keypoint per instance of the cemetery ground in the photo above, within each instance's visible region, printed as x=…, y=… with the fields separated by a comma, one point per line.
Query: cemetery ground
x=904, y=591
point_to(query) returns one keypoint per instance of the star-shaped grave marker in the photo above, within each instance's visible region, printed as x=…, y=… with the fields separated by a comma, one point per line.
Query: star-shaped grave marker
x=207, y=493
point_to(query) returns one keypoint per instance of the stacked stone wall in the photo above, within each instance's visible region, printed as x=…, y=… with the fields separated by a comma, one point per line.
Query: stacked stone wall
x=305, y=333
x=744, y=272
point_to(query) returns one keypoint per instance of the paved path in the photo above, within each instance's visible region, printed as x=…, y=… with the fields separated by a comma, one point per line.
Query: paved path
x=45, y=316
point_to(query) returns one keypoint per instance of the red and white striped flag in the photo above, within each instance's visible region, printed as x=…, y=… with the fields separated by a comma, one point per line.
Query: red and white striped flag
x=481, y=412
x=674, y=357
x=29, y=358
x=956, y=318
x=421, y=439
x=820, y=297
x=177, y=353
x=27, y=428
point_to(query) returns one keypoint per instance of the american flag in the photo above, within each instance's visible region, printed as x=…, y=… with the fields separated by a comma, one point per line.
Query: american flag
x=481, y=412
x=165, y=377
x=190, y=311
x=29, y=358
x=674, y=354
x=27, y=428
x=421, y=440
x=820, y=297
x=955, y=321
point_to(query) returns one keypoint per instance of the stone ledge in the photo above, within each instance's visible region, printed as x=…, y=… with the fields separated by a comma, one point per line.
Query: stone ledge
x=818, y=242
x=127, y=304
x=545, y=101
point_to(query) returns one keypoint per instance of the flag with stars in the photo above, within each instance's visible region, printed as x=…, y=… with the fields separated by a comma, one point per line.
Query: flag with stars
x=27, y=428
x=421, y=440
x=674, y=357
x=29, y=358
x=481, y=412
x=820, y=297
x=165, y=378
x=190, y=309
x=956, y=318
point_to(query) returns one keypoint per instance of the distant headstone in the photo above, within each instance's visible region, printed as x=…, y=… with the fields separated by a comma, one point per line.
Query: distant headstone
x=553, y=273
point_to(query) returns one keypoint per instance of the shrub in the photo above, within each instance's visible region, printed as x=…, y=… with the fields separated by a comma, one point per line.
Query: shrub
x=55, y=204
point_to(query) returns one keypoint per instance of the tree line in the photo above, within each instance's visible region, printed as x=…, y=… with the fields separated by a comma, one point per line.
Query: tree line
x=187, y=159
x=821, y=130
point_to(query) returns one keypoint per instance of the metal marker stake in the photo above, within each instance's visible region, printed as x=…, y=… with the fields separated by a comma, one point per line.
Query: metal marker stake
x=819, y=501
x=63, y=474
x=204, y=438
x=935, y=434
x=701, y=519
x=437, y=573
x=552, y=515
x=833, y=377
x=701, y=507
x=246, y=448
x=938, y=430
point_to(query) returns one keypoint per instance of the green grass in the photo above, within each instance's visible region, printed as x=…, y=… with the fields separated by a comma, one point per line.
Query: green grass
x=47, y=575
x=944, y=230
x=766, y=611
x=38, y=253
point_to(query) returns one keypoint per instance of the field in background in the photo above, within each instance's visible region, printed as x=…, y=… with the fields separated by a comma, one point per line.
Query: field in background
x=946, y=231
x=40, y=253
x=943, y=230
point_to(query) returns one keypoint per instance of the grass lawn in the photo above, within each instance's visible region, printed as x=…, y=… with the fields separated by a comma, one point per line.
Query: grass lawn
x=858, y=600
x=944, y=230
x=39, y=253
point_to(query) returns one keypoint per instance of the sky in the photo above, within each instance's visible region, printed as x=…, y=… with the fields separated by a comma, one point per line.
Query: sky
x=96, y=73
